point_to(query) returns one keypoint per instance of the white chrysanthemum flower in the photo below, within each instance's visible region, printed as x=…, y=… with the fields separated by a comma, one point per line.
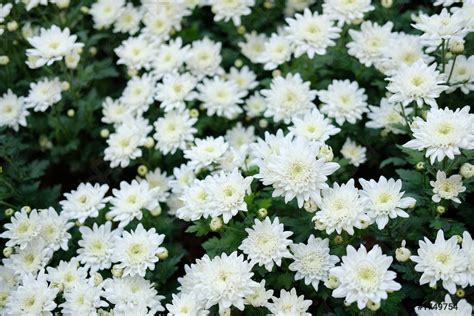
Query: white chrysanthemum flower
x=341, y=209
x=461, y=308
x=234, y=159
x=84, y=202
x=129, y=201
x=43, y=94
x=462, y=75
x=33, y=297
x=293, y=6
x=442, y=260
x=115, y=112
x=418, y=83
x=402, y=49
x=244, y=78
x=54, y=229
x=368, y=44
x=31, y=259
x=387, y=116
x=97, y=246
x=82, y=299
x=123, y=145
x=347, y=11
x=174, y=131
x=294, y=171
x=67, y=274
x=184, y=176
x=224, y=280
x=158, y=182
x=364, y=276
x=105, y=12
x=206, y=151
x=312, y=261
x=447, y=188
x=441, y=27
x=260, y=296
x=204, y=58
x=5, y=10
x=444, y=133
x=227, y=193
x=139, y=93
x=289, y=304
x=132, y=296
x=136, y=53
x=129, y=19
x=446, y=3
x=354, y=153
x=51, y=45
x=267, y=243
x=253, y=46
x=158, y=25
x=185, y=304
x=466, y=12
x=384, y=200
x=22, y=229
x=221, y=97
x=169, y=58
x=468, y=250
x=239, y=136
x=311, y=33
x=196, y=202
x=175, y=90
x=13, y=111
x=277, y=50
x=343, y=101
x=255, y=105
x=288, y=97
x=231, y=9
x=314, y=127
x=136, y=251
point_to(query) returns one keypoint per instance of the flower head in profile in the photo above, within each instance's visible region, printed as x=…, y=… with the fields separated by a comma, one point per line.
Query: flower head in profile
x=364, y=276
x=289, y=303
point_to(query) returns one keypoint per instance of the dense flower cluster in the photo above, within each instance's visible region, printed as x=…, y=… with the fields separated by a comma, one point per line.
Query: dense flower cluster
x=313, y=159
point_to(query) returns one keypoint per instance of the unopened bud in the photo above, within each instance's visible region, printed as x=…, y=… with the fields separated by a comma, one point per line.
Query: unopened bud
x=332, y=282
x=467, y=170
x=104, y=133
x=9, y=212
x=460, y=293
x=26, y=209
x=12, y=26
x=457, y=48
x=7, y=252
x=62, y=4
x=65, y=86
x=338, y=239
x=238, y=63
x=156, y=211
x=162, y=253
x=262, y=213
x=4, y=60
x=149, y=143
x=386, y=3
x=263, y=123
x=440, y=209
x=319, y=225
x=373, y=306
x=276, y=73
x=132, y=72
x=310, y=206
x=216, y=224
x=85, y=10
x=402, y=254
x=97, y=279
x=93, y=51
x=71, y=112
x=420, y=166
x=142, y=170
x=117, y=271
x=241, y=30
x=194, y=113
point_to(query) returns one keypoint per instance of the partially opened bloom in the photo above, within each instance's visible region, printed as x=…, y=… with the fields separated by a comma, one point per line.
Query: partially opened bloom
x=447, y=188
